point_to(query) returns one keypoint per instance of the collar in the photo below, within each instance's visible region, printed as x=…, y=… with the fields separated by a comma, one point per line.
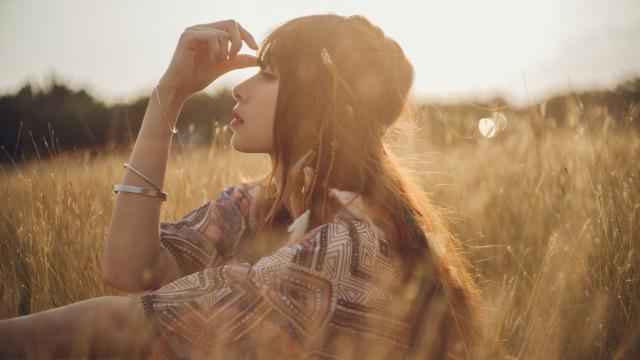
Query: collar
x=356, y=205
x=352, y=201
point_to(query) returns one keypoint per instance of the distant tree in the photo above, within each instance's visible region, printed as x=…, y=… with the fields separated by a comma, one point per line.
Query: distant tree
x=32, y=121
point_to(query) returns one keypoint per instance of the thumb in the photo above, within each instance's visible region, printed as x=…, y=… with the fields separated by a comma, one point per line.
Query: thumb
x=236, y=62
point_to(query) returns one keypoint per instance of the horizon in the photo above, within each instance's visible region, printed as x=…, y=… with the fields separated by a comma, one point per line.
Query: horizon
x=53, y=79
x=521, y=51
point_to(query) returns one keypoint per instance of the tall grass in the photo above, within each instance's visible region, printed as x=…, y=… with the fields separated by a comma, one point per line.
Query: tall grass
x=548, y=214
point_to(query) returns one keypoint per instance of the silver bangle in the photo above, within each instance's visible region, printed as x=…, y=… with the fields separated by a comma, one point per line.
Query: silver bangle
x=140, y=191
x=128, y=166
x=174, y=130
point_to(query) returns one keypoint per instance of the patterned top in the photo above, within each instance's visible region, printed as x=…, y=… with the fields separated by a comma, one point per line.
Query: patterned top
x=329, y=295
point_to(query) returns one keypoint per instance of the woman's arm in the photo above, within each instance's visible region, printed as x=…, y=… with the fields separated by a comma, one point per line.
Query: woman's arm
x=108, y=326
x=132, y=248
x=133, y=259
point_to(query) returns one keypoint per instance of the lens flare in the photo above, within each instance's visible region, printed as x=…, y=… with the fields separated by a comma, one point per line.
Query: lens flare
x=490, y=126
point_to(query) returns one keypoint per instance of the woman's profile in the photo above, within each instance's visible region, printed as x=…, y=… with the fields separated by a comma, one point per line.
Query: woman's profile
x=335, y=253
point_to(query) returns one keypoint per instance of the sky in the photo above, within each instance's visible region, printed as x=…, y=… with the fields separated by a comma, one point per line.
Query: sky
x=522, y=50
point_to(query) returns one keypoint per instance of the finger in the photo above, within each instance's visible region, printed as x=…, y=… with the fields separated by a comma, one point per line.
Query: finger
x=218, y=43
x=248, y=38
x=246, y=60
x=199, y=40
x=224, y=45
x=236, y=40
x=214, y=53
x=233, y=36
x=238, y=62
x=210, y=38
x=229, y=26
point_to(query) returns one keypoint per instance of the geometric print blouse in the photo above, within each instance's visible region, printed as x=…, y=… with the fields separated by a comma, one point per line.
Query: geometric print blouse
x=332, y=294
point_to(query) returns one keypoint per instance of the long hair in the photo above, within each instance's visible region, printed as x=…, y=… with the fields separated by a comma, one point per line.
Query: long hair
x=339, y=101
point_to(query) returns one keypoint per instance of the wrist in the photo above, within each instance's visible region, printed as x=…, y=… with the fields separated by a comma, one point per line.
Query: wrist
x=171, y=95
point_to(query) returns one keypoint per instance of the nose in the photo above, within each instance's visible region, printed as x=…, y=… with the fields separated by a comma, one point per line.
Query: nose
x=235, y=92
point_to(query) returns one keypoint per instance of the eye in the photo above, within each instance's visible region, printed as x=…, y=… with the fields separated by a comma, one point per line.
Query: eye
x=267, y=75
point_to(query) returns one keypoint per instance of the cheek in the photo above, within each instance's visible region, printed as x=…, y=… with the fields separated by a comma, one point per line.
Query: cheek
x=270, y=102
x=254, y=137
x=269, y=105
x=263, y=130
x=257, y=135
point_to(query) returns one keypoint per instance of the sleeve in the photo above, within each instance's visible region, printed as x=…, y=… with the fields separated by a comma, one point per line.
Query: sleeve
x=231, y=310
x=210, y=234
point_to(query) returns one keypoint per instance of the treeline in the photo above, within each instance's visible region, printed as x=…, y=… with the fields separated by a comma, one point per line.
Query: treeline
x=39, y=121
x=58, y=119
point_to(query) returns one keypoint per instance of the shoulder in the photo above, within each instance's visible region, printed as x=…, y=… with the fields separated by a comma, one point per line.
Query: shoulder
x=350, y=242
x=355, y=226
x=242, y=194
x=363, y=221
x=343, y=248
x=248, y=195
x=356, y=256
x=240, y=191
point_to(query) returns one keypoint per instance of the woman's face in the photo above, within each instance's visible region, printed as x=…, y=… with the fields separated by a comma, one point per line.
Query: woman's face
x=256, y=97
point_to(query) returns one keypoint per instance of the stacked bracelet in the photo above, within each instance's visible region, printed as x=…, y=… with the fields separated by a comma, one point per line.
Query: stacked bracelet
x=139, y=190
x=127, y=166
x=156, y=192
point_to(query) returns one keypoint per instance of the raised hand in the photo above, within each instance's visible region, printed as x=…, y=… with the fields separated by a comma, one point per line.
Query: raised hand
x=203, y=55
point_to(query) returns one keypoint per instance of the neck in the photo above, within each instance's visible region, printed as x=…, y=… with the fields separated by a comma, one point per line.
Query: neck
x=292, y=195
x=287, y=200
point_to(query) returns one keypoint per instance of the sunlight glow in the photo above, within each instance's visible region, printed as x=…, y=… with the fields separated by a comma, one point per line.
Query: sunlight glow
x=459, y=48
x=490, y=126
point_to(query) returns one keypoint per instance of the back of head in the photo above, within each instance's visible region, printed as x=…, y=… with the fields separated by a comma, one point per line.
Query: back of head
x=342, y=81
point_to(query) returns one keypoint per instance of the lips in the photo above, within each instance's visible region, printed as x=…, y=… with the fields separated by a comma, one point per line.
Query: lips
x=236, y=116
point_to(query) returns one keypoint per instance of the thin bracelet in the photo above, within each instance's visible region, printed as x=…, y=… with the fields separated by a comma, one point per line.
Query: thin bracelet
x=128, y=166
x=140, y=191
x=174, y=130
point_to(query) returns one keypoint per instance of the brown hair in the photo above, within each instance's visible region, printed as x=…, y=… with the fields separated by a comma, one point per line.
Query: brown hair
x=346, y=105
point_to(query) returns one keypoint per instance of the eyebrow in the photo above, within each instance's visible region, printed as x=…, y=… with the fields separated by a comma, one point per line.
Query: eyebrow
x=263, y=64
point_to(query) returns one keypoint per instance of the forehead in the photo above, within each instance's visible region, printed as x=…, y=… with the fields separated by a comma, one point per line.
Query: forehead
x=266, y=58
x=266, y=63
x=262, y=62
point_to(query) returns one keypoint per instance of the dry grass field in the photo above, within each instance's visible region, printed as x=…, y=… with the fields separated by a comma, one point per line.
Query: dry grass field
x=548, y=214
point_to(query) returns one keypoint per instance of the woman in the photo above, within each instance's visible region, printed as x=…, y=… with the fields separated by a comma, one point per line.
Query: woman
x=333, y=254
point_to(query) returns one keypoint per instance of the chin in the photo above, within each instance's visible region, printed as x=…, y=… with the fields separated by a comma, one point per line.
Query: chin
x=244, y=148
x=236, y=146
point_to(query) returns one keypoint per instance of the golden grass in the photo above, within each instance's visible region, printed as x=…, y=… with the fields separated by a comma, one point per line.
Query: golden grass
x=549, y=216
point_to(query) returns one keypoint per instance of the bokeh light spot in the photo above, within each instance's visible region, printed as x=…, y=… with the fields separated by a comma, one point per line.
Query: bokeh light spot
x=490, y=126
